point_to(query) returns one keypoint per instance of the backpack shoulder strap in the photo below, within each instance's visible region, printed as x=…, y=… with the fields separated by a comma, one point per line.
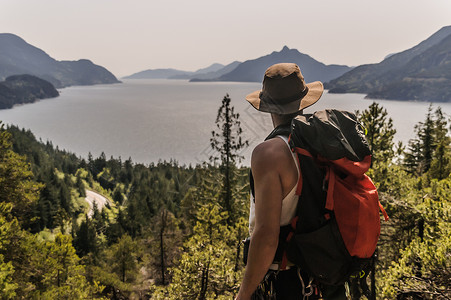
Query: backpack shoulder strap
x=284, y=129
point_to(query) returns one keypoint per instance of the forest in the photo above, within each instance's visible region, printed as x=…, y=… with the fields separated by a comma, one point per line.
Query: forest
x=174, y=232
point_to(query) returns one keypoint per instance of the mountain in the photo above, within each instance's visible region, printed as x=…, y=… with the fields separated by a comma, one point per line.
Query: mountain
x=422, y=72
x=210, y=69
x=157, y=74
x=19, y=57
x=18, y=89
x=214, y=75
x=214, y=70
x=254, y=70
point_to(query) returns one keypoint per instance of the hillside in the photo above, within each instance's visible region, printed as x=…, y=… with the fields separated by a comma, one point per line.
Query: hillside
x=427, y=77
x=19, y=57
x=19, y=89
x=419, y=73
x=253, y=70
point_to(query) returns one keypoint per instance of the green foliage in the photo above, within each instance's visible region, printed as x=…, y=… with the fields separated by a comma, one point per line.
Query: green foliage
x=42, y=269
x=65, y=277
x=164, y=245
x=423, y=268
x=207, y=268
x=85, y=240
x=122, y=258
x=7, y=286
x=17, y=186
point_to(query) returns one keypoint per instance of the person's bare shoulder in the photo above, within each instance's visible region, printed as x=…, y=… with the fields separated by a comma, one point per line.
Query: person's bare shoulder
x=268, y=155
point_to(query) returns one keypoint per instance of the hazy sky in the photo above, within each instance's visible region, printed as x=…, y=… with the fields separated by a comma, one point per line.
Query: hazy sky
x=130, y=36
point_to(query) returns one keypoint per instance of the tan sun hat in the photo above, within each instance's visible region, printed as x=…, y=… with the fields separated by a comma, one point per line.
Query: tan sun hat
x=285, y=91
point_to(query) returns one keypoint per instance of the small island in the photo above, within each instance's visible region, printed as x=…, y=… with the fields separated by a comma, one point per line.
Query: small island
x=20, y=89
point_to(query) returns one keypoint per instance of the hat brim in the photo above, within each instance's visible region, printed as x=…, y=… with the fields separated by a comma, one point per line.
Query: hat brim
x=315, y=91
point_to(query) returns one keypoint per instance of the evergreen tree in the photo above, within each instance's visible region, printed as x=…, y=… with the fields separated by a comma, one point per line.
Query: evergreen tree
x=440, y=165
x=122, y=258
x=227, y=143
x=85, y=241
x=16, y=181
x=379, y=131
x=430, y=147
x=164, y=246
x=80, y=186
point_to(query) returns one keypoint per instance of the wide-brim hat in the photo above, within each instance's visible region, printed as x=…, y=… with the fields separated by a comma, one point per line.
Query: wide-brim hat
x=284, y=91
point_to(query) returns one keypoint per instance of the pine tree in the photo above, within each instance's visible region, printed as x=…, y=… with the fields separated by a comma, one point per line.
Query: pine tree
x=430, y=147
x=379, y=131
x=86, y=238
x=164, y=246
x=122, y=258
x=440, y=167
x=227, y=143
x=16, y=181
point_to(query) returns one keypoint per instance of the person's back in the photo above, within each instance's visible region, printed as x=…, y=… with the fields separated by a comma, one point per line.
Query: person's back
x=275, y=177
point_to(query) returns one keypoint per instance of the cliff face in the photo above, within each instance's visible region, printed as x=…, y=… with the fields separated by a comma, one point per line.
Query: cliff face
x=19, y=57
x=19, y=89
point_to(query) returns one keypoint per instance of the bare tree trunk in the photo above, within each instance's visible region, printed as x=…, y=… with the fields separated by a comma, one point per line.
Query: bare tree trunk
x=163, y=227
x=123, y=270
x=204, y=282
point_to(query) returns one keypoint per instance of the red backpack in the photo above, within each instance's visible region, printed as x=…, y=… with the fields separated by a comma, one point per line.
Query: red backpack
x=337, y=224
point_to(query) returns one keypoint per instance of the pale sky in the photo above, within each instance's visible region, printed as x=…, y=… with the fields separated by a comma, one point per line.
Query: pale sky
x=134, y=35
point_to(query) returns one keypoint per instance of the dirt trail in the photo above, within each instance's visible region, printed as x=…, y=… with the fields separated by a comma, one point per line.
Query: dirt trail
x=99, y=200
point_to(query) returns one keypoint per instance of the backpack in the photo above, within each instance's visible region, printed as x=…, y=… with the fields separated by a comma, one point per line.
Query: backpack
x=337, y=225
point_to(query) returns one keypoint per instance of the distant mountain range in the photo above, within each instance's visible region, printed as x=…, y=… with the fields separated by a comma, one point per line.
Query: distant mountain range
x=252, y=70
x=214, y=71
x=419, y=73
x=19, y=89
x=19, y=57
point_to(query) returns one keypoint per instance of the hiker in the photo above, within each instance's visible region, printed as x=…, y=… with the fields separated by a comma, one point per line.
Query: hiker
x=275, y=173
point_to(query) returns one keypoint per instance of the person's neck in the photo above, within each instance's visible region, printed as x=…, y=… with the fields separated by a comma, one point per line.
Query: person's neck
x=278, y=120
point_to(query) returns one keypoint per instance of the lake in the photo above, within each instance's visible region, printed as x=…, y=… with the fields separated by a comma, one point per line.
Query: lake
x=152, y=120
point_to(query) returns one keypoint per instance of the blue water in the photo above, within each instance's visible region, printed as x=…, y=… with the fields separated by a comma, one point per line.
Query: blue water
x=152, y=120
